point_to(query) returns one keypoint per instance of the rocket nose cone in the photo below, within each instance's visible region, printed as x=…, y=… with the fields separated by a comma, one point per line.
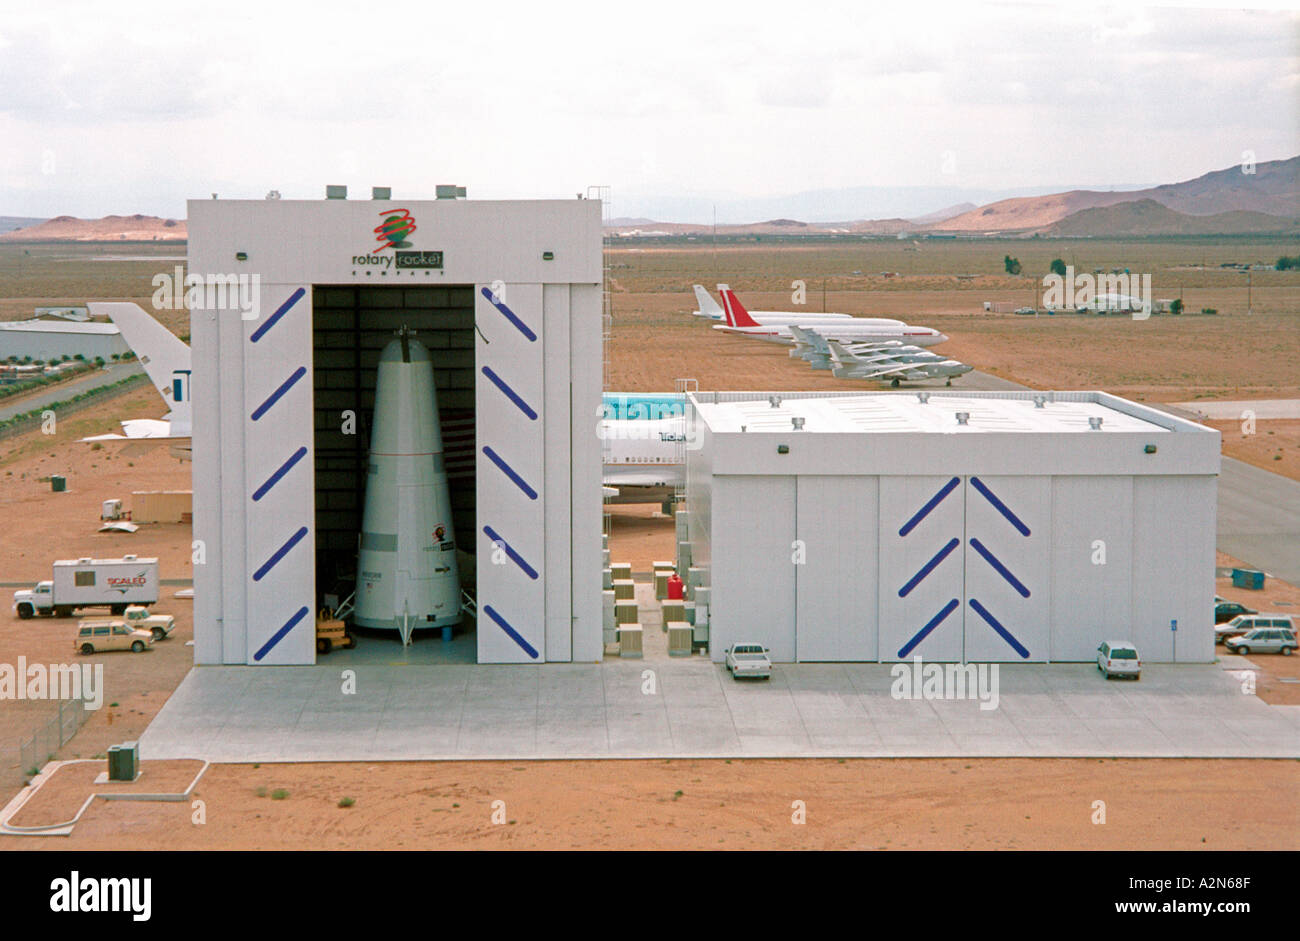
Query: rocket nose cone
x=392, y=353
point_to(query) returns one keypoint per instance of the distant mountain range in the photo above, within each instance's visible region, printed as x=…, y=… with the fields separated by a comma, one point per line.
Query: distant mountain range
x=1228, y=201
x=1223, y=202
x=135, y=228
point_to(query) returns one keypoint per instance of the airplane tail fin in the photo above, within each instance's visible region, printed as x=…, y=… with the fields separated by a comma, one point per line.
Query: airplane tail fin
x=708, y=306
x=164, y=356
x=736, y=314
x=839, y=355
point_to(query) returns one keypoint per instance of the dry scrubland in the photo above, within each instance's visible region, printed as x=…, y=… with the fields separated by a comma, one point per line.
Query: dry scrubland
x=901, y=804
x=904, y=804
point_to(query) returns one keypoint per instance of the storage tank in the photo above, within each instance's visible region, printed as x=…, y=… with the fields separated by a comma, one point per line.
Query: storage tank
x=407, y=575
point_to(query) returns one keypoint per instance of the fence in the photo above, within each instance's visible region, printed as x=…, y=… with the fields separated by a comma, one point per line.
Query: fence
x=63, y=409
x=51, y=735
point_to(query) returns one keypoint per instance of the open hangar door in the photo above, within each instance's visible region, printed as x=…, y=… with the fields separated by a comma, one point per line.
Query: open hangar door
x=350, y=327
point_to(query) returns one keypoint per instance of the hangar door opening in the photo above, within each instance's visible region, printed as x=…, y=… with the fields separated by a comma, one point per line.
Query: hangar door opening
x=965, y=568
x=350, y=327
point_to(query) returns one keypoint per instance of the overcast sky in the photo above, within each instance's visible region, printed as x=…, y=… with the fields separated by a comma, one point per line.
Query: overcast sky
x=134, y=106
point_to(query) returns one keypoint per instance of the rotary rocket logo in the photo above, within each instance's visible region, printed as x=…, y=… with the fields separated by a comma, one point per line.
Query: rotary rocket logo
x=398, y=224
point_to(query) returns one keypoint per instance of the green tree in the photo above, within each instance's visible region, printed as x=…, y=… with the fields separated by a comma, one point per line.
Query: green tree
x=1177, y=306
x=1058, y=266
x=1011, y=264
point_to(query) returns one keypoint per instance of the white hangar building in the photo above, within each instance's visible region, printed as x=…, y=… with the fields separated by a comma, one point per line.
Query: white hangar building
x=506, y=296
x=54, y=339
x=960, y=526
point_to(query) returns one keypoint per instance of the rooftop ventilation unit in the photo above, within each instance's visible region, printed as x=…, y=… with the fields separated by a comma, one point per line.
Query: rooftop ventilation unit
x=1040, y=401
x=1094, y=422
x=336, y=192
x=797, y=422
x=923, y=397
x=445, y=191
x=963, y=418
x=381, y=192
x=774, y=401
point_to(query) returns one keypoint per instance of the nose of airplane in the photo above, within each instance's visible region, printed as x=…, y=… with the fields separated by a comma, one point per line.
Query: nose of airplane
x=940, y=337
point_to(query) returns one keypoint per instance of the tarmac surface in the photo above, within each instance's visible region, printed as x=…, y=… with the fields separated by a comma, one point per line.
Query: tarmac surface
x=691, y=707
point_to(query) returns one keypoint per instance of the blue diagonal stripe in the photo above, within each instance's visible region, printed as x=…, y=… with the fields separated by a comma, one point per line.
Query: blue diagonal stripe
x=274, y=479
x=275, y=396
x=280, y=311
x=514, y=634
x=279, y=554
x=929, y=567
x=281, y=633
x=1005, y=634
x=515, y=556
x=934, y=622
x=999, y=505
x=509, y=315
x=509, y=471
x=934, y=501
x=511, y=394
x=1001, y=569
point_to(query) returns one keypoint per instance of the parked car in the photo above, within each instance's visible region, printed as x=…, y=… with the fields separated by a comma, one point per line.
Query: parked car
x=1119, y=658
x=159, y=625
x=749, y=660
x=1225, y=611
x=1245, y=623
x=1264, y=640
x=100, y=634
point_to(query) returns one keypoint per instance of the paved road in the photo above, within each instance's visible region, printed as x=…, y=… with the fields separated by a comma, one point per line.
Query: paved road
x=66, y=390
x=1259, y=519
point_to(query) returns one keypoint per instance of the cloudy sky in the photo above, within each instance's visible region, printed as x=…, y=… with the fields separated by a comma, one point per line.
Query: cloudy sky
x=135, y=106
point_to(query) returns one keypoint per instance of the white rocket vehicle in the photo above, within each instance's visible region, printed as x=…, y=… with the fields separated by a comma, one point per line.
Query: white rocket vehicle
x=407, y=575
x=166, y=359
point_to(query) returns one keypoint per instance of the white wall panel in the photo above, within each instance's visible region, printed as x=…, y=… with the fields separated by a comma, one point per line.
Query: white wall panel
x=753, y=589
x=1092, y=564
x=279, y=489
x=836, y=584
x=922, y=528
x=510, y=418
x=1173, y=548
x=558, y=510
x=585, y=377
x=1008, y=568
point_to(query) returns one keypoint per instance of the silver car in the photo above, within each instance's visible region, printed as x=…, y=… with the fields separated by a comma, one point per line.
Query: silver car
x=1264, y=640
x=749, y=660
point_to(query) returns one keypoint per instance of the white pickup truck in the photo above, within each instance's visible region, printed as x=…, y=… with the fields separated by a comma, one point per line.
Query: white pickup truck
x=749, y=660
x=159, y=625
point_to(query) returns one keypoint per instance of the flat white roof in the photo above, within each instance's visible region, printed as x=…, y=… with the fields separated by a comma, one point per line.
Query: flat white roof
x=59, y=326
x=884, y=412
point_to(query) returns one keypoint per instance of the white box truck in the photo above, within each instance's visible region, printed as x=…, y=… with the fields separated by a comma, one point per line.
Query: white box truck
x=90, y=583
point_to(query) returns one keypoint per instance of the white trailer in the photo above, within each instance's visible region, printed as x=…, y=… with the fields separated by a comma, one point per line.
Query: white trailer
x=89, y=583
